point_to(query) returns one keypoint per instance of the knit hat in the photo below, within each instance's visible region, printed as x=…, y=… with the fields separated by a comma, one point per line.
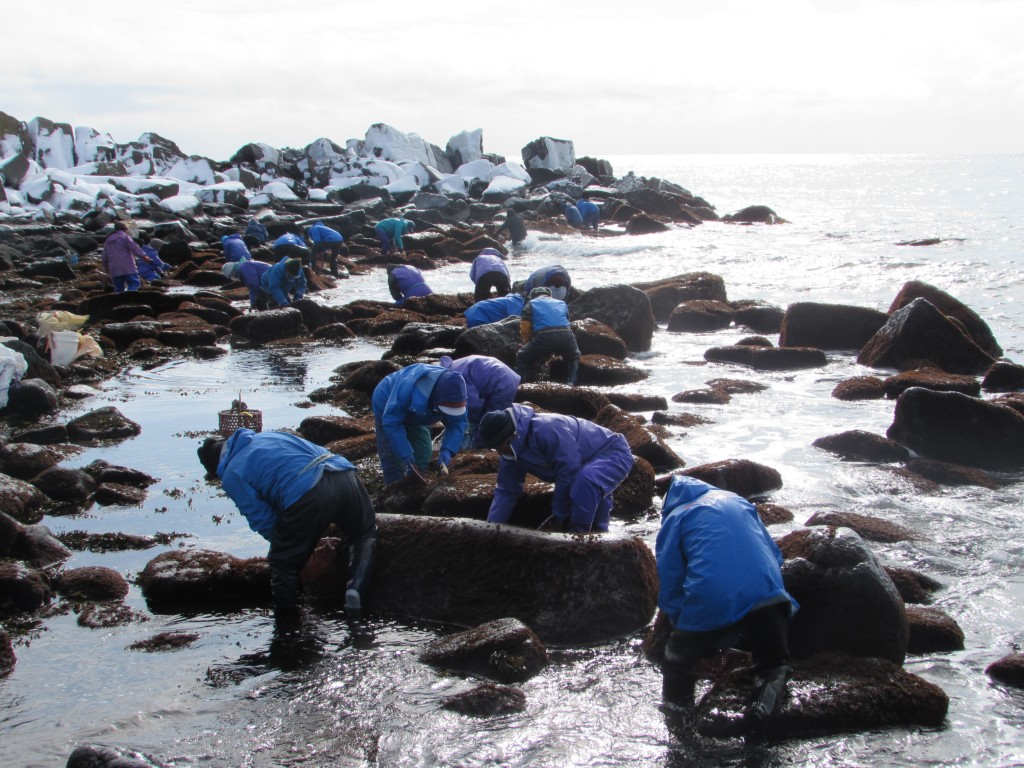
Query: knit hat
x=450, y=393
x=229, y=269
x=292, y=267
x=209, y=454
x=541, y=290
x=496, y=427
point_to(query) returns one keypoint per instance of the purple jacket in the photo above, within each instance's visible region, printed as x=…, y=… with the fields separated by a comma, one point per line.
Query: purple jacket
x=551, y=447
x=406, y=281
x=490, y=384
x=250, y=272
x=119, y=252
x=484, y=263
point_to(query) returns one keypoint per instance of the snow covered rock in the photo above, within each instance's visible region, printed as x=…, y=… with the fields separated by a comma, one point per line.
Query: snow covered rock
x=195, y=170
x=481, y=169
x=553, y=154
x=53, y=144
x=92, y=146
x=230, y=192
x=389, y=143
x=465, y=147
x=181, y=205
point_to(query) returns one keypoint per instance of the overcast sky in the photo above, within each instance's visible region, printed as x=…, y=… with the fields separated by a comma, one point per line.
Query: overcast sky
x=730, y=76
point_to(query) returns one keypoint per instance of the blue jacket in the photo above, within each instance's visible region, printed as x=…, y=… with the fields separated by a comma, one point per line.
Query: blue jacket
x=256, y=229
x=487, y=262
x=716, y=560
x=235, y=248
x=572, y=215
x=154, y=268
x=394, y=229
x=549, y=446
x=586, y=207
x=289, y=238
x=545, y=313
x=493, y=310
x=265, y=473
x=407, y=397
x=406, y=281
x=251, y=274
x=321, y=233
x=282, y=288
x=544, y=275
x=490, y=384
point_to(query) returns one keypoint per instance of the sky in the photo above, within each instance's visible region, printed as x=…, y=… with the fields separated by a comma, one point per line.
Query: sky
x=640, y=77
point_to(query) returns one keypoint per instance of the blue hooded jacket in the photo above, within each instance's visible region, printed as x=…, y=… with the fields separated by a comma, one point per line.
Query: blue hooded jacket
x=586, y=207
x=235, y=248
x=552, y=447
x=394, y=229
x=251, y=274
x=321, y=233
x=280, y=285
x=490, y=384
x=716, y=560
x=487, y=262
x=544, y=276
x=406, y=281
x=265, y=473
x=493, y=310
x=256, y=229
x=572, y=215
x=545, y=313
x=407, y=397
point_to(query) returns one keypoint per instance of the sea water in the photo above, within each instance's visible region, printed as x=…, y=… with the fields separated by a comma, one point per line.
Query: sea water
x=358, y=696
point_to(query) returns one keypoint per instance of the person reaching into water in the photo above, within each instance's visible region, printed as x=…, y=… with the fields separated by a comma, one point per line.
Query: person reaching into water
x=488, y=272
x=545, y=329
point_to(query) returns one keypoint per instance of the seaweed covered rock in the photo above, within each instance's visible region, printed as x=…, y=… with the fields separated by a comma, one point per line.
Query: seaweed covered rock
x=951, y=307
x=20, y=500
x=933, y=631
x=859, y=445
x=829, y=326
x=64, y=484
x=7, y=657
x=92, y=582
x=625, y=309
x=487, y=700
x=867, y=527
x=744, y=477
x=102, y=424
x=668, y=293
x=22, y=589
x=194, y=578
x=1008, y=670
x=505, y=650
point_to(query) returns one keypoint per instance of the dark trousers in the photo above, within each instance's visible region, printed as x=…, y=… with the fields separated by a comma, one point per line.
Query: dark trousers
x=338, y=498
x=542, y=346
x=488, y=280
x=764, y=632
x=333, y=251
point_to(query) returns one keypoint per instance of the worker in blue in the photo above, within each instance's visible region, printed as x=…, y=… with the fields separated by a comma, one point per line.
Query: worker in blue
x=589, y=212
x=255, y=233
x=493, y=310
x=572, y=216
x=405, y=405
x=325, y=241
x=235, y=248
x=490, y=386
x=284, y=282
x=545, y=329
x=250, y=273
x=289, y=245
x=585, y=461
x=406, y=281
x=556, y=277
x=720, y=584
x=488, y=272
x=390, y=231
x=290, y=490
x=153, y=267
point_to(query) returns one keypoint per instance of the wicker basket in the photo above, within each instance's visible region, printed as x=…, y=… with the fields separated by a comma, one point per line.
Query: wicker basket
x=231, y=420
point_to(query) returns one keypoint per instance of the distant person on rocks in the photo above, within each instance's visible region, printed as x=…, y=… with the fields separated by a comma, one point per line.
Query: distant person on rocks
x=590, y=213
x=585, y=461
x=490, y=386
x=290, y=246
x=494, y=310
x=488, y=272
x=515, y=225
x=154, y=267
x=235, y=248
x=255, y=233
x=390, y=231
x=545, y=329
x=250, y=273
x=325, y=241
x=290, y=490
x=284, y=283
x=556, y=277
x=406, y=281
x=119, y=255
x=720, y=586
x=406, y=404
x=572, y=215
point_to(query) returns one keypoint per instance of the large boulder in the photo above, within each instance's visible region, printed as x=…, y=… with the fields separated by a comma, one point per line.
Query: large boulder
x=700, y=316
x=20, y=500
x=31, y=399
x=93, y=583
x=195, y=578
x=829, y=326
x=860, y=445
x=966, y=317
x=643, y=441
x=26, y=460
x=504, y=649
x=22, y=589
x=743, y=477
x=595, y=338
x=415, y=338
x=282, y=323
x=500, y=340
x=549, y=153
x=625, y=309
x=959, y=429
x=65, y=484
x=106, y=423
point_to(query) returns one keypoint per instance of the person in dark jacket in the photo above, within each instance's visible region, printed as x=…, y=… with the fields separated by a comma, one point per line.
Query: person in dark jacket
x=585, y=461
x=572, y=216
x=405, y=405
x=290, y=490
x=556, y=277
x=493, y=310
x=515, y=225
x=488, y=272
x=720, y=584
x=119, y=255
x=250, y=273
x=490, y=386
x=325, y=241
x=255, y=233
x=545, y=329
x=389, y=233
x=590, y=213
x=406, y=281
x=235, y=248
x=284, y=282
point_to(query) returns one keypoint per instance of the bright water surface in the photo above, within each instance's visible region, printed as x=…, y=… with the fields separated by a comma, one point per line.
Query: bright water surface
x=361, y=698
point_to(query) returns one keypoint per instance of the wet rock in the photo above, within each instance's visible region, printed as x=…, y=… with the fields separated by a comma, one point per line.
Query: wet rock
x=700, y=315
x=102, y=424
x=93, y=583
x=636, y=402
x=914, y=587
x=581, y=402
x=415, y=338
x=642, y=224
x=123, y=334
x=951, y=307
x=859, y=388
x=326, y=429
x=282, y=323
x=80, y=392
x=316, y=315
x=643, y=442
x=829, y=326
x=487, y=700
x=847, y=601
x=607, y=583
x=737, y=386
x=741, y=476
x=866, y=526
x=595, y=338
x=759, y=317
x=105, y=757
x=444, y=304
x=768, y=358
x=20, y=500
x=118, y=495
x=773, y=514
x=1004, y=376
x=1014, y=400
x=930, y=378
x=108, y=614
x=7, y=656
x=933, y=631
x=10, y=531
x=104, y=472
x=500, y=340
x=702, y=397
x=625, y=309
x=38, y=546
x=335, y=332
x=635, y=494
x=194, y=578
x=129, y=312
x=56, y=433
x=209, y=353
x=31, y=399
x=668, y=293
x=828, y=694
x=22, y=589
x=353, y=448
x=164, y=641
x=599, y=370
x=685, y=420
x=859, y=445
x=365, y=376
x=1009, y=670
x=38, y=366
x=505, y=650
x=919, y=331
x=387, y=322
x=754, y=214
x=944, y=473
x=64, y=484
x=955, y=428
x=182, y=331
x=26, y=460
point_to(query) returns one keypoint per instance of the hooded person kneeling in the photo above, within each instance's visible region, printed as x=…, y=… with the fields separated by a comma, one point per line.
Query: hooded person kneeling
x=585, y=461
x=720, y=586
x=284, y=283
x=290, y=490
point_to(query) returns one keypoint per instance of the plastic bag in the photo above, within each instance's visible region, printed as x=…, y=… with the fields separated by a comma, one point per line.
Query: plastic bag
x=60, y=320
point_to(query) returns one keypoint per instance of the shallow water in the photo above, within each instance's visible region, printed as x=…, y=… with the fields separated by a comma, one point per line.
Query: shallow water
x=357, y=695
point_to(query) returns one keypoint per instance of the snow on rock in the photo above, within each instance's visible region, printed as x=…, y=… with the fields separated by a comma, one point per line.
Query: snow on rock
x=53, y=144
x=388, y=143
x=182, y=205
x=512, y=169
x=75, y=200
x=37, y=188
x=92, y=146
x=279, y=191
x=408, y=183
x=382, y=169
x=451, y=184
x=553, y=154
x=476, y=169
x=152, y=154
x=230, y=192
x=503, y=186
x=195, y=169
x=465, y=147
x=317, y=195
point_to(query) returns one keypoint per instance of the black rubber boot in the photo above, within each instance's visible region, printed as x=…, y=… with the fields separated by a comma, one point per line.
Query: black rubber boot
x=768, y=691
